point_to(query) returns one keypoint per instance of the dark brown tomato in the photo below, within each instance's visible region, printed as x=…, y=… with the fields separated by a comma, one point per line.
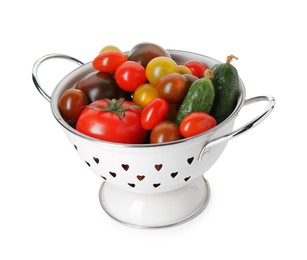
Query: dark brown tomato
x=172, y=112
x=144, y=52
x=100, y=85
x=165, y=131
x=172, y=87
x=71, y=104
x=190, y=79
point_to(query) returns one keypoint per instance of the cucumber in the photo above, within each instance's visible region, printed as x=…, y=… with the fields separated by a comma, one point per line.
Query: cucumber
x=226, y=86
x=214, y=66
x=199, y=98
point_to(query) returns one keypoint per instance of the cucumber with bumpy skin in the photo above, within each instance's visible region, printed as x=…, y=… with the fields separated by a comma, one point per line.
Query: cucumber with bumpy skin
x=226, y=86
x=199, y=98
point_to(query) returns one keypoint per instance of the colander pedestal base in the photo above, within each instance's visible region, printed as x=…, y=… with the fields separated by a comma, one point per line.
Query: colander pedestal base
x=153, y=210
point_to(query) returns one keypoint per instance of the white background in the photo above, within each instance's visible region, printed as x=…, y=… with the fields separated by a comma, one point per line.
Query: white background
x=49, y=206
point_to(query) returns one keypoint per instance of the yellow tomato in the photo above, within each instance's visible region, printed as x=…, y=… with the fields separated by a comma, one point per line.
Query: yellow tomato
x=184, y=70
x=144, y=94
x=109, y=48
x=159, y=67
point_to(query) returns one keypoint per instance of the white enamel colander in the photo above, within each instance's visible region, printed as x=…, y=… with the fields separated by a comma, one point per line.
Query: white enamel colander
x=151, y=185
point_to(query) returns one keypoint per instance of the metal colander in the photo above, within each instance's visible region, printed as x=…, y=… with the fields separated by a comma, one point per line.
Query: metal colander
x=152, y=174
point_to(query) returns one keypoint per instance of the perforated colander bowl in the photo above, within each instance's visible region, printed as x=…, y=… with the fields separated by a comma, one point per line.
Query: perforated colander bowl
x=152, y=185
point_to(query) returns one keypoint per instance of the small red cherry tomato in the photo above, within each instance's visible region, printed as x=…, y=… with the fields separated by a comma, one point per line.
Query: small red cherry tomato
x=153, y=113
x=130, y=75
x=198, y=68
x=196, y=123
x=109, y=61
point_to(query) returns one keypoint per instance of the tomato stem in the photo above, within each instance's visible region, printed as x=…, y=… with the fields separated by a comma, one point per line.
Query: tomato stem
x=113, y=105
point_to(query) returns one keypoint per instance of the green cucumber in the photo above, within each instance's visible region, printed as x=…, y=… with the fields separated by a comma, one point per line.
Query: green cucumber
x=226, y=85
x=199, y=98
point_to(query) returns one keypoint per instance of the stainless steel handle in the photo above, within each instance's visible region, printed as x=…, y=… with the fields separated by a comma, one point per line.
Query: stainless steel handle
x=42, y=60
x=271, y=103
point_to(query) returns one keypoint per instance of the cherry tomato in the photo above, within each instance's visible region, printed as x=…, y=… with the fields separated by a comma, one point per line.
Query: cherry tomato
x=109, y=61
x=112, y=120
x=165, y=131
x=196, y=123
x=184, y=70
x=159, y=67
x=198, y=68
x=145, y=52
x=172, y=87
x=130, y=75
x=100, y=85
x=153, y=113
x=190, y=79
x=144, y=94
x=109, y=48
x=172, y=112
x=71, y=104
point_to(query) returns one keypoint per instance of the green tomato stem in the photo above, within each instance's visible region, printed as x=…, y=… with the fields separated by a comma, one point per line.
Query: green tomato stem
x=113, y=105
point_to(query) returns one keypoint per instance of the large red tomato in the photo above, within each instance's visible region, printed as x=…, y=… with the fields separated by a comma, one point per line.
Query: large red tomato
x=112, y=120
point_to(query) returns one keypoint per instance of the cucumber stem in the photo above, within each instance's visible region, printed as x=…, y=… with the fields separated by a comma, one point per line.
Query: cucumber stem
x=230, y=58
x=209, y=74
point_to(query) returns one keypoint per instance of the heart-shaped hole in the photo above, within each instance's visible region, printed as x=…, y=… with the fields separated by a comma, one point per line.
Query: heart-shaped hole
x=88, y=164
x=113, y=174
x=158, y=167
x=190, y=160
x=156, y=185
x=76, y=147
x=140, y=177
x=174, y=174
x=187, y=178
x=125, y=167
x=131, y=185
x=96, y=160
x=103, y=177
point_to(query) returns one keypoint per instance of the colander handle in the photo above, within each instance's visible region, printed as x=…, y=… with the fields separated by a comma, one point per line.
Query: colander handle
x=271, y=103
x=42, y=60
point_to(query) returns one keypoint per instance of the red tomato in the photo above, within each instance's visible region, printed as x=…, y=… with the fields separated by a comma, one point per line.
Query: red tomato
x=112, y=120
x=71, y=104
x=130, y=75
x=196, y=123
x=109, y=61
x=165, y=131
x=198, y=68
x=153, y=113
